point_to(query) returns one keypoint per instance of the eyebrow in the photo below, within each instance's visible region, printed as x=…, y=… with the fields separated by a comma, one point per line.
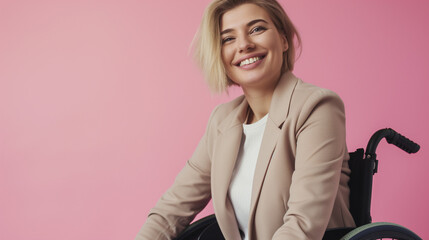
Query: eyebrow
x=248, y=25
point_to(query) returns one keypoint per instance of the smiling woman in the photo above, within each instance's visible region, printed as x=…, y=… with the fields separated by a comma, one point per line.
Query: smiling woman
x=283, y=136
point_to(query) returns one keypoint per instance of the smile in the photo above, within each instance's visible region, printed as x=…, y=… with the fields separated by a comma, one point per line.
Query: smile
x=250, y=61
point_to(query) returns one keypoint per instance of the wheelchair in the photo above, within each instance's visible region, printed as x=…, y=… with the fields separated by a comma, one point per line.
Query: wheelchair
x=363, y=166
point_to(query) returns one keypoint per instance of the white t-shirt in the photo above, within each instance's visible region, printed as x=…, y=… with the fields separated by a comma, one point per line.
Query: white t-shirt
x=240, y=189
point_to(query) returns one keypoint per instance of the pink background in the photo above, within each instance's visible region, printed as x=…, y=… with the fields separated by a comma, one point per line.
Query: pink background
x=101, y=105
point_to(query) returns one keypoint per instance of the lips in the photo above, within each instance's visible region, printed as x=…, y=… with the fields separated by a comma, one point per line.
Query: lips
x=249, y=60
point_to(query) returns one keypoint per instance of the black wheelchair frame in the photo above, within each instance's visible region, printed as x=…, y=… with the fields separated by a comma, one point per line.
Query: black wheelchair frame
x=363, y=166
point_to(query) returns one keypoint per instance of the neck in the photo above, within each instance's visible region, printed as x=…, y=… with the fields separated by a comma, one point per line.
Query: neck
x=259, y=102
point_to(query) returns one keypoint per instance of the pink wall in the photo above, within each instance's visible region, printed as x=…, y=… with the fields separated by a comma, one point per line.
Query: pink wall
x=101, y=105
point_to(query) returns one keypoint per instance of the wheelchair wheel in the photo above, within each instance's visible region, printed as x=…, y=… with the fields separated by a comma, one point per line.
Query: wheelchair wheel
x=381, y=230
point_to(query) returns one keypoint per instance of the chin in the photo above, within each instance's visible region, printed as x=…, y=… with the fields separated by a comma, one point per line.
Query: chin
x=252, y=80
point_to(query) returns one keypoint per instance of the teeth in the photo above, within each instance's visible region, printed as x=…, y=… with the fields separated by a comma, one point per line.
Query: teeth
x=249, y=61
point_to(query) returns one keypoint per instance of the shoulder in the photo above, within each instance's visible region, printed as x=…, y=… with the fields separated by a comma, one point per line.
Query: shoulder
x=224, y=110
x=306, y=91
x=222, y=118
x=311, y=104
x=308, y=96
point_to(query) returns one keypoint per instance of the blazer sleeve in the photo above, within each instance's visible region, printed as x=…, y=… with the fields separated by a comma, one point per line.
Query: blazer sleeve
x=188, y=195
x=320, y=152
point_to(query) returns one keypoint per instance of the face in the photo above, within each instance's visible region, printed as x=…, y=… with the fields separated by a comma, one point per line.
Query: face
x=252, y=48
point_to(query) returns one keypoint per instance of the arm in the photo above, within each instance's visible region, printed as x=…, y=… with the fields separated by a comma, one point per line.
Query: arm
x=188, y=195
x=320, y=152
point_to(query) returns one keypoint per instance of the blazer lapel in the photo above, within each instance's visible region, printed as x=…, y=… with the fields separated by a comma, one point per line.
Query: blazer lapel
x=279, y=110
x=269, y=141
x=223, y=163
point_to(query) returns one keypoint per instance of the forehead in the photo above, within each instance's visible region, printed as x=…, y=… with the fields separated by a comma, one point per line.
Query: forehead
x=241, y=15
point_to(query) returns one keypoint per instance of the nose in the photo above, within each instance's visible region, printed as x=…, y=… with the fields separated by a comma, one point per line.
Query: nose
x=245, y=44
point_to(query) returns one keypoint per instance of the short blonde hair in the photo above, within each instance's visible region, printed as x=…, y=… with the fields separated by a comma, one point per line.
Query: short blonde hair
x=207, y=41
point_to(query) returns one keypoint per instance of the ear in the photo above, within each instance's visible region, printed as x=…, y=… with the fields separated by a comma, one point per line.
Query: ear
x=285, y=43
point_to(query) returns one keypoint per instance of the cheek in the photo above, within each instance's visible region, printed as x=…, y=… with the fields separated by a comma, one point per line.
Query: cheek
x=279, y=49
x=227, y=56
x=224, y=60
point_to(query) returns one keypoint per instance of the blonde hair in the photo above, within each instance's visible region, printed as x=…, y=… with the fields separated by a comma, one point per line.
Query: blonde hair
x=207, y=41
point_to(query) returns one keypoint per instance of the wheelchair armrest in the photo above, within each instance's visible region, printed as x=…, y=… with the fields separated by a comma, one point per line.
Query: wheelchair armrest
x=336, y=233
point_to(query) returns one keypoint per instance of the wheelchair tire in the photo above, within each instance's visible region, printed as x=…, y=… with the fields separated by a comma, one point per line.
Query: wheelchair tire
x=381, y=230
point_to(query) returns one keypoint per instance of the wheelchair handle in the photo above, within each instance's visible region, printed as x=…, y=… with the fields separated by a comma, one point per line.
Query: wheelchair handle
x=392, y=137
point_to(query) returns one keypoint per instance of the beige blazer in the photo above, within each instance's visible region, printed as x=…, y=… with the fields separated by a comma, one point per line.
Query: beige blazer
x=300, y=183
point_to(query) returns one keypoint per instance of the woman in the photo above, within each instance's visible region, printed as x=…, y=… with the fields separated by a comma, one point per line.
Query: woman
x=274, y=160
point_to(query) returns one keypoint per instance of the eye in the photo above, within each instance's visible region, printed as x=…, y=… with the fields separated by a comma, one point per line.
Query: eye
x=227, y=39
x=257, y=29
